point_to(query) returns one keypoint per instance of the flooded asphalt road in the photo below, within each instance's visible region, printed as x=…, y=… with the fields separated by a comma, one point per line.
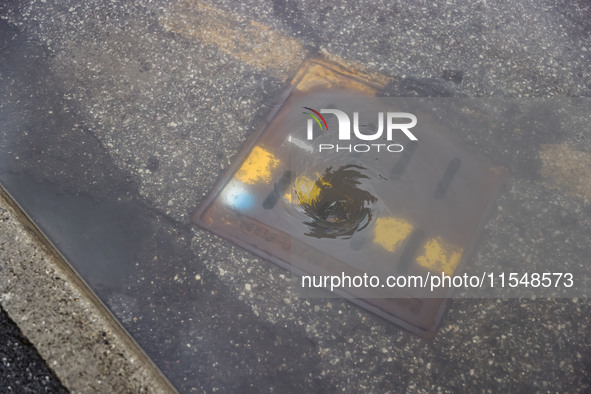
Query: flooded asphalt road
x=116, y=119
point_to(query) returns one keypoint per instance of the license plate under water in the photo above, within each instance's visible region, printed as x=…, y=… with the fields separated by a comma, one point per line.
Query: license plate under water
x=389, y=206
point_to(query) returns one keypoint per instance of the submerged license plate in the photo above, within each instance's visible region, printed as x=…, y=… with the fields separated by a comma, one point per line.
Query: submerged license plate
x=341, y=183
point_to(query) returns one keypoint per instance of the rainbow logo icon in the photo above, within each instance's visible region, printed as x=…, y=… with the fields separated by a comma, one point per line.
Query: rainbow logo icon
x=313, y=115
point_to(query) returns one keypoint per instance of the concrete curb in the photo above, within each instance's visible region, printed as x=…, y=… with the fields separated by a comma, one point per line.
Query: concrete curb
x=71, y=329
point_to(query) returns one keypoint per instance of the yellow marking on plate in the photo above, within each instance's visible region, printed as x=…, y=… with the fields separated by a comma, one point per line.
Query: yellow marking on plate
x=257, y=167
x=390, y=232
x=567, y=169
x=306, y=190
x=440, y=256
x=246, y=40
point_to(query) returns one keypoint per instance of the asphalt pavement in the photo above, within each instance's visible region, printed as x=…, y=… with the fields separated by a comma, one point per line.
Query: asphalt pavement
x=116, y=119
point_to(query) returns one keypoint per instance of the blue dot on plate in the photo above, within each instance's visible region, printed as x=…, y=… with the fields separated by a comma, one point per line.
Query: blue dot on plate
x=242, y=201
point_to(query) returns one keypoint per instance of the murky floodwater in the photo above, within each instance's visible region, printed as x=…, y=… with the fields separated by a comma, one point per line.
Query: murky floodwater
x=333, y=203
